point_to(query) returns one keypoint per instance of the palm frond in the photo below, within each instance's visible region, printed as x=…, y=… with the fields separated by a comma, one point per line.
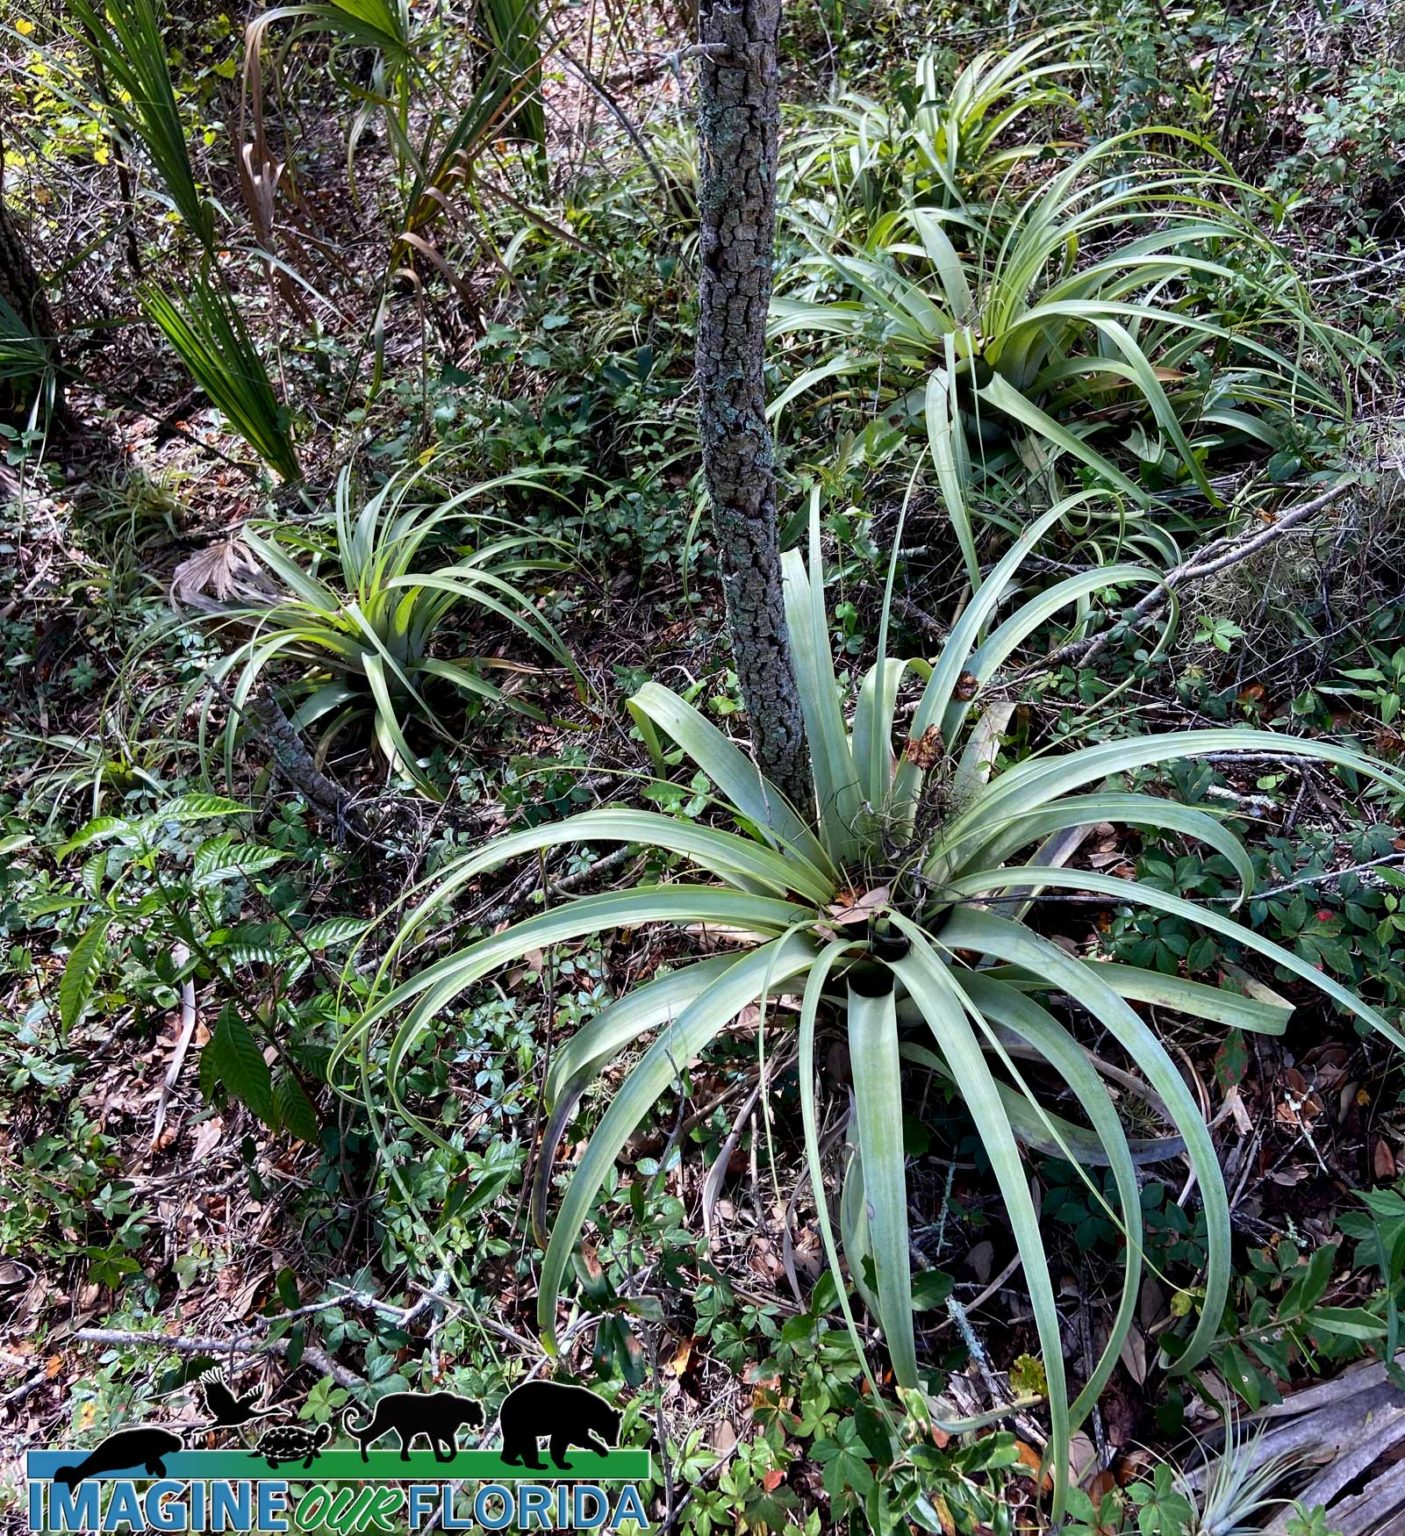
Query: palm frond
x=210, y=338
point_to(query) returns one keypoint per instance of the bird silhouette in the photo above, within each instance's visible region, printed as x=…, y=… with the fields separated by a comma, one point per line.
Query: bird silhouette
x=227, y=1411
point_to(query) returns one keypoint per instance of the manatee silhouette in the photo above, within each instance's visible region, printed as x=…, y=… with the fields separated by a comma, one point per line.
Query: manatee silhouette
x=435, y=1415
x=564, y=1415
x=127, y=1448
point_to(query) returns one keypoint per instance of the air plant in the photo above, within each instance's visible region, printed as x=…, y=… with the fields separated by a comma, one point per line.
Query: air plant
x=360, y=605
x=899, y=900
x=1024, y=320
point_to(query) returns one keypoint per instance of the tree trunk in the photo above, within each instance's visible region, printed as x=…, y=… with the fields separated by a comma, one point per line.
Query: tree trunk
x=738, y=139
x=21, y=289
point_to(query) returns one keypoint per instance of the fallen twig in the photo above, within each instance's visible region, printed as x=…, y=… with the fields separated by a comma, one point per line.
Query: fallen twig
x=19, y=1393
x=1216, y=556
x=524, y=889
x=239, y=1344
x=1323, y=878
x=179, y=955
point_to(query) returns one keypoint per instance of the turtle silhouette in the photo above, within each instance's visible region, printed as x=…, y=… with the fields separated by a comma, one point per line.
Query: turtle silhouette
x=225, y=1410
x=563, y=1415
x=292, y=1442
x=120, y=1452
x=438, y=1416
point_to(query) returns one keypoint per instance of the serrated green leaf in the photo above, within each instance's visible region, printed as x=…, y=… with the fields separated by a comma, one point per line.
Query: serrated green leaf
x=294, y=1109
x=99, y=826
x=94, y=872
x=243, y=1072
x=80, y=974
x=199, y=807
x=210, y=1072
x=335, y=930
x=221, y=858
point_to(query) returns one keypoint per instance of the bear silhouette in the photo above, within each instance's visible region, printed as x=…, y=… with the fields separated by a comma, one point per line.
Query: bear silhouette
x=435, y=1415
x=564, y=1415
x=127, y=1448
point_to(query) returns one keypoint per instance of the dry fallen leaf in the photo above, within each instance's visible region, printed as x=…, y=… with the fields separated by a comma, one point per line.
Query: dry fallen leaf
x=982, y=1260
x=1082, y=1456
x=1031, y=1458
x=1234, y=1104
x=1133, y=1355
x=242, y=1300
x=207, y=1138
x=224, y=570
x=925, y=751
x=858, y=907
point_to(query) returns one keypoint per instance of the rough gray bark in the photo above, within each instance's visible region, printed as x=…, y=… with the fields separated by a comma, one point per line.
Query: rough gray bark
x=738, y=139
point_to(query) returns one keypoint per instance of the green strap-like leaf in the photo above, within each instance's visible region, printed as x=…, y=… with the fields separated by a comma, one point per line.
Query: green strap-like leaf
x=944, y=1006
x=735, y=775
x=1131, y=810
x=1216, y=1005
x=390, y=736
x=878, y=1113
x=428, y=993
x=873, y=724
x=1035, y=611
x=1041, y=1130
x=1005, y=397
x=622, y=1022
x=965, y=634
x=946, y=440
x=1036, y=1026
x=746, y=981
x=971, y=928
x=1136, y=895
x=810, y=1004
x=1033, y=783
x=576, y=1065
x=725, y=854
x=837, y=790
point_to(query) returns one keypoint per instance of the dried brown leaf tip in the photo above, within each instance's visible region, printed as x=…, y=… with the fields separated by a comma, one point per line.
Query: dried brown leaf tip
x=925, y=751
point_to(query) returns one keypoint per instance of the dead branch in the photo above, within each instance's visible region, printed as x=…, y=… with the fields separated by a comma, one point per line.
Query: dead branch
x=239, y=1344
x=1219, y=555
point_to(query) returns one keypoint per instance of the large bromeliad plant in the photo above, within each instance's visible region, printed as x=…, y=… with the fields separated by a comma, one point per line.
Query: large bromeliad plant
x=898, y=896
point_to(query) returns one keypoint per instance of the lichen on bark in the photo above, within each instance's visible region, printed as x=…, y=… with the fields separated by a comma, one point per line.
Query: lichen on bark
x=738, y=142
